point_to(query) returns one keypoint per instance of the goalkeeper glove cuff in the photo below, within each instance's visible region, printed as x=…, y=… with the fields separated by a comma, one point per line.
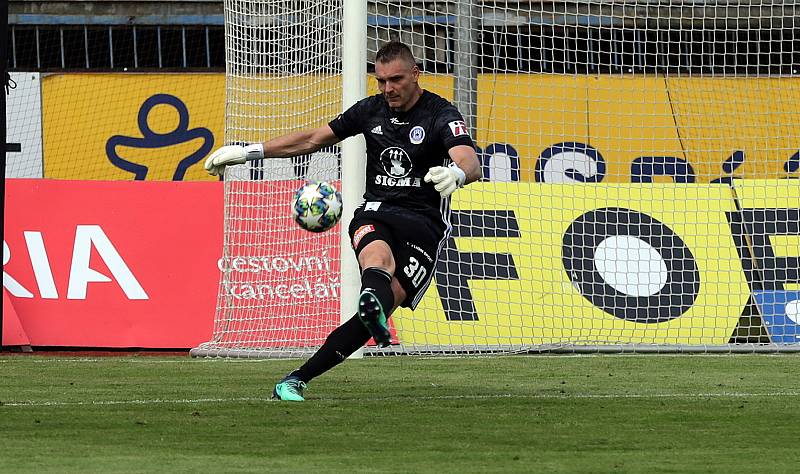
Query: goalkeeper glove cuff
x=254, y=151
x=459, y=174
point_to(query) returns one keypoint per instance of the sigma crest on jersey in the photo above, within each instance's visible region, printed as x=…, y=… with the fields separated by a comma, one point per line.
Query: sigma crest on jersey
x=416, y=135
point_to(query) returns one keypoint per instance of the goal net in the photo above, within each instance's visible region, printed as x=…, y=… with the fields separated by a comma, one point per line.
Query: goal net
x=640, y=183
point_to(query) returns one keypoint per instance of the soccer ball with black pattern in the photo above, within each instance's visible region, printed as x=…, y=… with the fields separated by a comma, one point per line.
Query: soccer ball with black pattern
x=317, y=206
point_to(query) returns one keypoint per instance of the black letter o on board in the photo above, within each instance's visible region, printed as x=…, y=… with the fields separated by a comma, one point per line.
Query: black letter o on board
x=588, y=231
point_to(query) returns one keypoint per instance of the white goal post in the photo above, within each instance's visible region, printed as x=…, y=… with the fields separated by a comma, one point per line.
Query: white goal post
x=641, y=165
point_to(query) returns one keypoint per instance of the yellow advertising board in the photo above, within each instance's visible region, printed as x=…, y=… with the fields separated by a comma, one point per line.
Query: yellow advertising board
x=757, y=116
x=531, y=112
x=131, y=126
x=598, y=128
x=606, y=264
x=162, y=126
x=770, y=210
x=630, y=118
x=619, y=129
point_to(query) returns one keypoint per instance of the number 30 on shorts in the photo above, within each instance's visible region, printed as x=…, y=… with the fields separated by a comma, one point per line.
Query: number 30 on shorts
x=415, y=271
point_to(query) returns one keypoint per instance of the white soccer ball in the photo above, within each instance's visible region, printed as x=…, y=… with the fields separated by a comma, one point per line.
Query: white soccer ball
x=317, y=206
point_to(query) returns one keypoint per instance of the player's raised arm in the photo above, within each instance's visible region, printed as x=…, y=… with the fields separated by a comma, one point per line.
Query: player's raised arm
x=464, y=169
x=292, y=144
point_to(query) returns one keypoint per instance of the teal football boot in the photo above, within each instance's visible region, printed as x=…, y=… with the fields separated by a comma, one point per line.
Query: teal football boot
x=372, y=316
x=290, y=388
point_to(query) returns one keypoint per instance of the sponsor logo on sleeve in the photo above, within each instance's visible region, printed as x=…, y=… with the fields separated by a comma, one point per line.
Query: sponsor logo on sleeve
x=458, y=127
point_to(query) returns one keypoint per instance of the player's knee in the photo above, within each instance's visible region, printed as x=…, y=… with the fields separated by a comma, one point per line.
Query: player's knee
x=377, y=254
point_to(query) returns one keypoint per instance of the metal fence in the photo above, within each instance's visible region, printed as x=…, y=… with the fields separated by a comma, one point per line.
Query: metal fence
x=116, y=47
x=48, y=43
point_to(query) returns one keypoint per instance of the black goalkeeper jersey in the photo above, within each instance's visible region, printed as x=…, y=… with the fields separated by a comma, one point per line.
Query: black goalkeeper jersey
x=403, y=146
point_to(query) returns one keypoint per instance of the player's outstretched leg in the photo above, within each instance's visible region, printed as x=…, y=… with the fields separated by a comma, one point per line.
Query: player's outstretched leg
x=290, y=388
x=339, y=344
x=372, y=315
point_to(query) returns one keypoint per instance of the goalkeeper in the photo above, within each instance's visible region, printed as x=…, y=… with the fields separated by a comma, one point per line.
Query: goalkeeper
x=418, y=153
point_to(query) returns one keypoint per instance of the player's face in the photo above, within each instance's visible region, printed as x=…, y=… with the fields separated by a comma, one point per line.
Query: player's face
x=397, y=81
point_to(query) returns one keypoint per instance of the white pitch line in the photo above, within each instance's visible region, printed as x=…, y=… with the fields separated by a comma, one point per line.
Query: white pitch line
x=32, y=403
x=143, y=360
x=567, y=396
x=563, y=396
x=167, y=359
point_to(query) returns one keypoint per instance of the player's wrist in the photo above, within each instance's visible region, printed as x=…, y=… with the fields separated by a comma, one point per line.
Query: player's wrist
x=459, y=174
x=254, y=151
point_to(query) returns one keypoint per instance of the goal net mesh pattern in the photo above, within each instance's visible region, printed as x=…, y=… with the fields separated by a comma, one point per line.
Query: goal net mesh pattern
x=640, y=163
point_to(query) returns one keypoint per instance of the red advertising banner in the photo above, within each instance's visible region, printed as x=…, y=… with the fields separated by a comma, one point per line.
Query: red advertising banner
x=113, y=263
x=13, y=334
x=288, y=276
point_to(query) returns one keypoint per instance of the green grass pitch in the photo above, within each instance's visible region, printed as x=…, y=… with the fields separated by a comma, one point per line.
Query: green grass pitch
x=573, y=414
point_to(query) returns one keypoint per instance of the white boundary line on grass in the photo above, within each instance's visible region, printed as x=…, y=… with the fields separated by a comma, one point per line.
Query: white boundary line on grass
x=32, y=403
x=182, y=359
x=127, y=360
x=562, y=396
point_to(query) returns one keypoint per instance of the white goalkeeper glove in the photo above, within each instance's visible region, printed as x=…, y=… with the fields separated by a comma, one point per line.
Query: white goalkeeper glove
x=446, y=179
x=232, y=155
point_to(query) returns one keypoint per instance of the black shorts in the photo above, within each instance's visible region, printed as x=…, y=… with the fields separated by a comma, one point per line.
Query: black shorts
x=414, y=238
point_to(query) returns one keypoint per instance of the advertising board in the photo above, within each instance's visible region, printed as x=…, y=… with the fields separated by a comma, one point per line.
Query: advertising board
x=112, y=264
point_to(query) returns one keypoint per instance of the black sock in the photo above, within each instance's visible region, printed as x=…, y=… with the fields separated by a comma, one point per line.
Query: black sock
x=340, y=343
x=379, y=283
x=352, y=335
